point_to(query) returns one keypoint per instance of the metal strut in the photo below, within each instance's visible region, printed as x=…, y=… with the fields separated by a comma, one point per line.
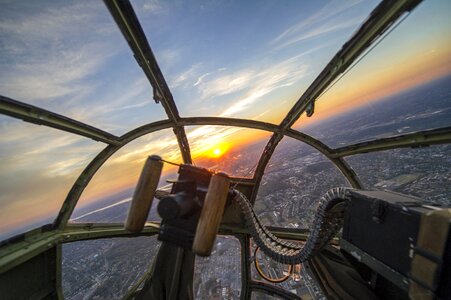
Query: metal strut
x=127, y=21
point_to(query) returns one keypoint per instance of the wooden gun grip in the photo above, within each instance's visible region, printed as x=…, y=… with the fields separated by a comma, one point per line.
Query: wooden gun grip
x=211, y=214
x=144, y=193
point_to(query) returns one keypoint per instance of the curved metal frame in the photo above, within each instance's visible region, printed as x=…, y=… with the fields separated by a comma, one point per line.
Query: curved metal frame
x=85, y=177
x=36, y=115
x=381, y=19
x=125, y=18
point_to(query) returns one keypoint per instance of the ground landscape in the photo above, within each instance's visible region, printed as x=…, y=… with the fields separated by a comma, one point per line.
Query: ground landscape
x=295, y=179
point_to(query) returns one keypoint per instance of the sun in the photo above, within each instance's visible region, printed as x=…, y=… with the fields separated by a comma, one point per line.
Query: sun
x=218, y=150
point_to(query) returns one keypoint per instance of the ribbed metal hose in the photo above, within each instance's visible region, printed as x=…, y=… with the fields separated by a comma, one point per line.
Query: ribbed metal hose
x=327, y=222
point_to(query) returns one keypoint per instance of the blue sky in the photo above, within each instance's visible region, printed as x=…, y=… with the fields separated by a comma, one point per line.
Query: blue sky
x=223, y=58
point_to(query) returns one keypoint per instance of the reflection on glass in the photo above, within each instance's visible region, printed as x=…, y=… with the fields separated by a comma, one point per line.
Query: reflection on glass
x=38, y=166
x=233, y=150
x=298, y=282
x=270, y=270
x=424, y=172
x=105, y=268
x=233, y=59
x=219, y=275
x=107, y=197
x=402, y=85
x=296, y=177
x=71, y=58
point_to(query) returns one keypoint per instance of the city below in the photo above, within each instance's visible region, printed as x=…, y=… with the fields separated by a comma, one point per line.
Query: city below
x=295, y=179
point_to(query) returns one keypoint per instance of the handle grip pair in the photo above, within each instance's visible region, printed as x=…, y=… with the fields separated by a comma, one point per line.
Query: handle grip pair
x=210, y=217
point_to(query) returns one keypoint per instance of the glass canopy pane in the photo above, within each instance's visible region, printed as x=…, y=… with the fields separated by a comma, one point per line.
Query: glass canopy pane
x=105, y=268
x=245, y=60
x=107, y=197
x=219, y=275
x=296, y=177
x=402, y=85
x=256, y=295
x=424, y=172
x=71, y=58
x=38, y=166
x=233, y=150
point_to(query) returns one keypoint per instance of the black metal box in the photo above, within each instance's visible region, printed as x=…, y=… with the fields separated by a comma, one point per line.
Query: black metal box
x=402, y=239
x=384, y=225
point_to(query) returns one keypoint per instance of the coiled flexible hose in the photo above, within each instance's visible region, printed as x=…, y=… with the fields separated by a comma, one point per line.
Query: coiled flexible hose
x=327, y=222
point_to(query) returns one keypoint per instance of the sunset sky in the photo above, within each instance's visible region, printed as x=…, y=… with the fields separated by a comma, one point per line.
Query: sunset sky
x=220, y=58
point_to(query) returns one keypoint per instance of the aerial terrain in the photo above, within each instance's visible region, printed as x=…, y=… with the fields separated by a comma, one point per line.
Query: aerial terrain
x=296, y=177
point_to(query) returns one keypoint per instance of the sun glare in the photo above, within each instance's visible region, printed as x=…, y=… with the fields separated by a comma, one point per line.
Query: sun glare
x=218, y=151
